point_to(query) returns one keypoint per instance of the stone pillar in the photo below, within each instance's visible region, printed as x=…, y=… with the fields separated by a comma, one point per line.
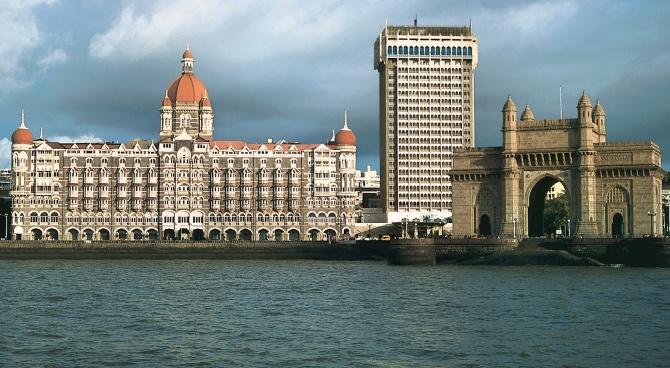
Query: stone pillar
x=586, y=209
x=511, y=202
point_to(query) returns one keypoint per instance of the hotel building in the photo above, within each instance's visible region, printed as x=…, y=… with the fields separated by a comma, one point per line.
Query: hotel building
x=426, y=110
x=186, y=184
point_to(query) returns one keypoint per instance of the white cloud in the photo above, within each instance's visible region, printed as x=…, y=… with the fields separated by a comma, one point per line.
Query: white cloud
x=135, y=35
x=54, y=57
x=5, y=153
x=22, y=35
x=84, y=138
x=287, y=26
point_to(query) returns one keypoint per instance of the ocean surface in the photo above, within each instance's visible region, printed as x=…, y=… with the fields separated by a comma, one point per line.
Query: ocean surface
x=333, y=314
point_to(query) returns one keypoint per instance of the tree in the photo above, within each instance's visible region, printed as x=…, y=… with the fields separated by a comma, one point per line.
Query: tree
x=556, y=211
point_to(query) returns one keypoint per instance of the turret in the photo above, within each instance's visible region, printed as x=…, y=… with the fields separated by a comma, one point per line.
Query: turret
x=599, y=121
x=585, y=121
x=509, y=125
x=22, y=141
x=166, y=115
x=584, y=109
x=206, y=117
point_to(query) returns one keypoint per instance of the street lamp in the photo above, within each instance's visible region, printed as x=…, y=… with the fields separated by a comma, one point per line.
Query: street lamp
x=568, y=228
x=651, y=222
x=514, y=228
x=369, y=229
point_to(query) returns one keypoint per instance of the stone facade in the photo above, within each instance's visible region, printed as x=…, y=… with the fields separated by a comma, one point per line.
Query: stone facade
x=184, y=185
x=614, y=189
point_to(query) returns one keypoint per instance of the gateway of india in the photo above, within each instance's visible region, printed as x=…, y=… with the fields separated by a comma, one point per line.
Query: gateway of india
x=186, y=185
x=613, y=189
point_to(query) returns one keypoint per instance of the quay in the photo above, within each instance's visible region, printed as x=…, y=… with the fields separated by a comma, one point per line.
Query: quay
x=642, y=252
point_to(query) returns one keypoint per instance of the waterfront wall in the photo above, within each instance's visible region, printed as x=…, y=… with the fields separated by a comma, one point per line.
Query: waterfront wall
x=182, y=250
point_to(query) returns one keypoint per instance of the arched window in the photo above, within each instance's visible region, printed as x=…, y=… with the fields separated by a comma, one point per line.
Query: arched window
x=390, y=50
x=469, y=50
x=432, y=50
x=395, y=50
x=405, y=50
x=416, y=50
x=422, y=51
x=411, y=50
x=458, y=50
x=448, y=50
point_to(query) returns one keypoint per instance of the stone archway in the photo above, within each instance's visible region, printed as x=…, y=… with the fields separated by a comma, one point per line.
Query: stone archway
x=574, y=151
x=245, y=234
x=536, y=202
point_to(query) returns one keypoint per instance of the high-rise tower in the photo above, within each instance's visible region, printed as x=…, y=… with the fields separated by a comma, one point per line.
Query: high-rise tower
x=426, y=110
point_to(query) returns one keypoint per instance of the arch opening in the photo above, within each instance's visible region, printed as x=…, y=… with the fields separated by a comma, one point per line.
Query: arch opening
x=548, y=208
x=485, y=226
x=617, y=225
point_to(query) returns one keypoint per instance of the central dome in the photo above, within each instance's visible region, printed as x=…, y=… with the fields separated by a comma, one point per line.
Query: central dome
x=187, y=88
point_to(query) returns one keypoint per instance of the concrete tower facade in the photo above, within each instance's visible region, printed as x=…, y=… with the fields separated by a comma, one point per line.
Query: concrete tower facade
x=426, y=110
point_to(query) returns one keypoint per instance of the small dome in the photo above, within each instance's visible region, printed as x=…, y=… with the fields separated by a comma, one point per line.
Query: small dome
x=509, y=104
x=166, y=100
x=345, y=138
x=187, y=54
x=598, y=110
x=584, y=100
x=527, y=114
x=204, y=102
x=22, y=135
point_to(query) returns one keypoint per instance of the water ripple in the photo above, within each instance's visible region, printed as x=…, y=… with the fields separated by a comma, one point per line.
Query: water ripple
x=306, y=314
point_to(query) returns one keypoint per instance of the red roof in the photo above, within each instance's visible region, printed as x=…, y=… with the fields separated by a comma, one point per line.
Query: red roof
x=22, y=136
x=187, y=88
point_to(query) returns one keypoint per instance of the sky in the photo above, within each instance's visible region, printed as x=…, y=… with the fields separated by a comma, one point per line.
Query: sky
x=97, y=69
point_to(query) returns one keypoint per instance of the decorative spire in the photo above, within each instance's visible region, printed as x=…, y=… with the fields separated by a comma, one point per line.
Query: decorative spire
x=187, y=47
x=41, y=133
x=23, y=120
x=346, y=121
x=332, y=138
x=166, y=96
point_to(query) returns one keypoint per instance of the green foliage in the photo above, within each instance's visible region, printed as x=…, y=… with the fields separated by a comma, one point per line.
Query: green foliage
x=556, y=212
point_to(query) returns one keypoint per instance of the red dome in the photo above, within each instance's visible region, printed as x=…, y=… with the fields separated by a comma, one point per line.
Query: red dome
x=345, y=137
x=187, y=88
x=166, y=102
x=187, y=55
x=22, y=136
